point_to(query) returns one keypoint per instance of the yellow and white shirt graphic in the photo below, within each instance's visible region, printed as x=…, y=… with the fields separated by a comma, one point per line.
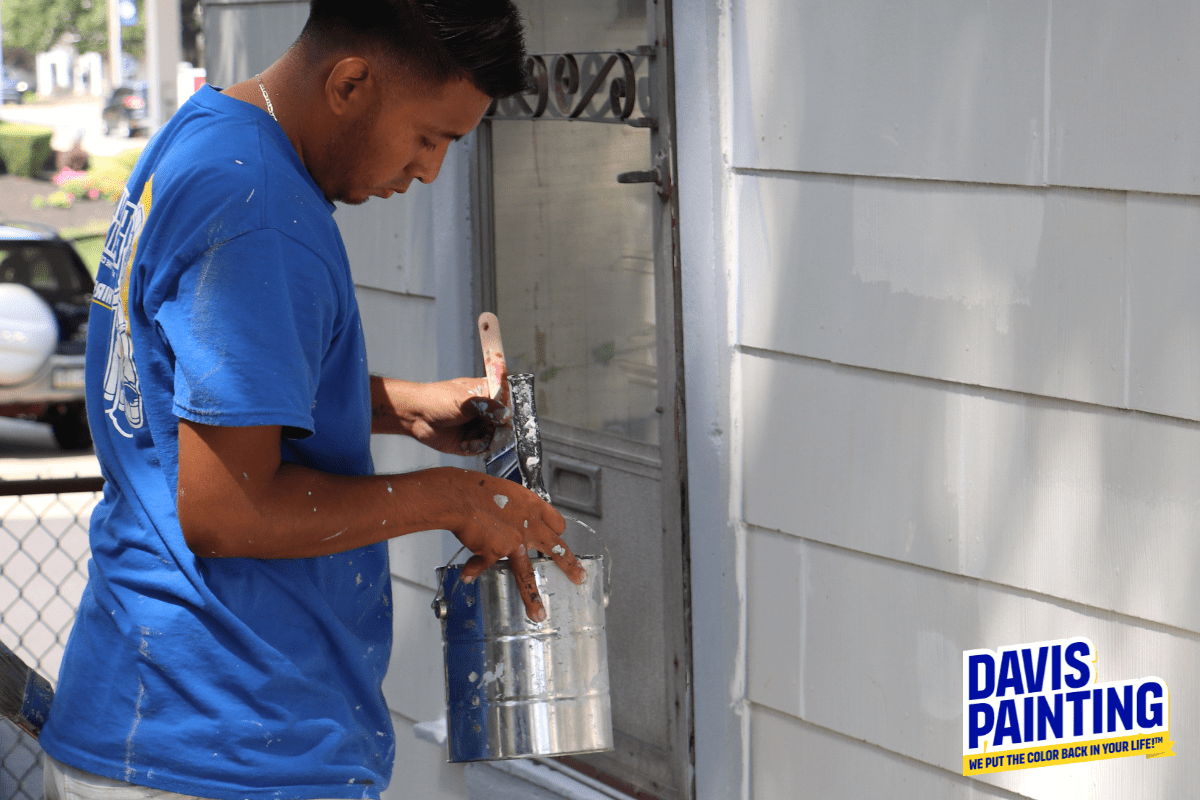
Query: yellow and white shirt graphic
x=122, y=394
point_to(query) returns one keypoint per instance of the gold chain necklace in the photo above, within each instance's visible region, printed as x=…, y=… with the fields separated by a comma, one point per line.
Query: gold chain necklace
x=267, y=97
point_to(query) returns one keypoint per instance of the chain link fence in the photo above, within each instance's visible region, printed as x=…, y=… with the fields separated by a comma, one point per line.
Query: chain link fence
x=43, y=570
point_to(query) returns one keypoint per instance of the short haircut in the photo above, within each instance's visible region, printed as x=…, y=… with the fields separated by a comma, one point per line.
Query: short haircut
x=481, y=40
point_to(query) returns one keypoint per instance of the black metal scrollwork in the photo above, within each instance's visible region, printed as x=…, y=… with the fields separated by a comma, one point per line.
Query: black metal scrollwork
x=571, y=86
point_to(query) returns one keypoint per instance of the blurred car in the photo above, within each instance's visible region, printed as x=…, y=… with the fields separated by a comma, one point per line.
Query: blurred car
x=16, y=83
x=125, y=110
x=45, y=296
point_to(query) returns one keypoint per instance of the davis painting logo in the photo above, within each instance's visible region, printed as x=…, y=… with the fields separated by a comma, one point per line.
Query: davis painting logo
x=1042, y=704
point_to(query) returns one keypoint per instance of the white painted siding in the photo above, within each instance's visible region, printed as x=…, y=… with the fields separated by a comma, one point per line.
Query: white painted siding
x=954, y=375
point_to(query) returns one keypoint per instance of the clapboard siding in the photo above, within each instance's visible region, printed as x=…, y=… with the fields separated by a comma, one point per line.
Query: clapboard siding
x=1069, y=93
x=1163, y=241
x=1083, y=503
x=1014, y=288
x=880, y=657
x=390, y=242
x=400, y=334
x=1073, y=293
x=415, y=685
x=792, y=759
x=942, y=89
x=421, y=768
x=1125, y=105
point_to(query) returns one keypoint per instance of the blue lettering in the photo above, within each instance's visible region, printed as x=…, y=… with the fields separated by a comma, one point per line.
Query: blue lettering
x=1155, y=716
x=1077, y=699
x=1034, y=677
x=979, y=727
x=1010, y=674
x=1052, y=718
x=1084, y=677
x=1055, y=667
x=974, y=690
x=1120, y=706
x=1006, y=723
x=1097, y=711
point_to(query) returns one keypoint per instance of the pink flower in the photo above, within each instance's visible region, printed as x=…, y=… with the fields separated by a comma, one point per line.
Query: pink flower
x=67, y=175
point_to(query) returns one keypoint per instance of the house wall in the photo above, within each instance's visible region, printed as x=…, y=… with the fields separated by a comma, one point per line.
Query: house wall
x=939, y=279
x=411, y=261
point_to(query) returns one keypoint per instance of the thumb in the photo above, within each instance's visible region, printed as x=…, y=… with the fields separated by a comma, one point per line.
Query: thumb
x=475, y=566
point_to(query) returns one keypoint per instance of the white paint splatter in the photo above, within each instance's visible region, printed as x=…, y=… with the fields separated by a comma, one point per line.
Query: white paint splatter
x=526, y=523
x=249, y=195
x=137, y=718
x=501, y=500
x=389, y=488
x=236, y=162
x=358, y=579
x=559, y=550
x=474, y=676
x=339, y=533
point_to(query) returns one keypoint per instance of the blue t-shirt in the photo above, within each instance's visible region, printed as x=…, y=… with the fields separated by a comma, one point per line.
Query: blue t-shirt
x=224, y=297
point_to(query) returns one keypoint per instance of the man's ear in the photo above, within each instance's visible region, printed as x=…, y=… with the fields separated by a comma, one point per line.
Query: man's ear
x=351, y=86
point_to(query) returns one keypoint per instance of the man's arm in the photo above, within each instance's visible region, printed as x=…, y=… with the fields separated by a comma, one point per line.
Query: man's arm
x=454, y=416
x=237, y=498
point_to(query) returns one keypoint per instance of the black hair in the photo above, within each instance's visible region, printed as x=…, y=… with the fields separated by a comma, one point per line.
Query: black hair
x=481, y=40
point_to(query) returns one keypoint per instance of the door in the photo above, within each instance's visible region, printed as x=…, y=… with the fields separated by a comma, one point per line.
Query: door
x=578, y=259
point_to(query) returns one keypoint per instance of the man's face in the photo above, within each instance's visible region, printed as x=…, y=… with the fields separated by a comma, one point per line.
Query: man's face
x=403, y=138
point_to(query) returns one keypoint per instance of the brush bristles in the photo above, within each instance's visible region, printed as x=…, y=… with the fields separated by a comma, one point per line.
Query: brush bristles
x=14, y=677
x=25, y=696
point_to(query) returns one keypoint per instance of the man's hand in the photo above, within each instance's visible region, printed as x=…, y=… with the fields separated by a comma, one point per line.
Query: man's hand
x=454, y=416
x=495, y=510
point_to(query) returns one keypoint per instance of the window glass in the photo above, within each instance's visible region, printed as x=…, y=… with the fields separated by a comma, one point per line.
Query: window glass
x=574, y=259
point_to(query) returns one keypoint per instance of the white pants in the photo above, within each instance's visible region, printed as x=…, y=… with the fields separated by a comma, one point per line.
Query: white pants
x=62, y=782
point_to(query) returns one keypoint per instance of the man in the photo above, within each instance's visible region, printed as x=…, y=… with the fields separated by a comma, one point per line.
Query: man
x=236, y=625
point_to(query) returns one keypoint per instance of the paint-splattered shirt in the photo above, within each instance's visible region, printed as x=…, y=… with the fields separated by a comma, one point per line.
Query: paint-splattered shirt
x=224, y=297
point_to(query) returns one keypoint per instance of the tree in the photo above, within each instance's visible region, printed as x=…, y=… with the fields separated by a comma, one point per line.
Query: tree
x=36, y=25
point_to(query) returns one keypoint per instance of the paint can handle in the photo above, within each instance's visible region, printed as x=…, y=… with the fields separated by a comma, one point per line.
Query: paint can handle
x=607, y=556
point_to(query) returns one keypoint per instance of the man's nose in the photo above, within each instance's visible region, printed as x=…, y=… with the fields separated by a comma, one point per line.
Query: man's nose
x=429, y=163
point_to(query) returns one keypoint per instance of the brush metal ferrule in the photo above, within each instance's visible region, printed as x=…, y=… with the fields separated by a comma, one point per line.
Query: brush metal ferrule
x=525, y=428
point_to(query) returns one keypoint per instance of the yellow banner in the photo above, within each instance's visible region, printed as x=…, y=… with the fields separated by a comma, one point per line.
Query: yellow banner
x=1148, y=745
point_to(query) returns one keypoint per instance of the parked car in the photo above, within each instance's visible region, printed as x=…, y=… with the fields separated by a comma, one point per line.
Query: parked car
x=16, y=83
x=125, y=110
x=45, y=296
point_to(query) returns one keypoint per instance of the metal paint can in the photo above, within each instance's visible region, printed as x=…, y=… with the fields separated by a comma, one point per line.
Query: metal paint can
x=516, y=688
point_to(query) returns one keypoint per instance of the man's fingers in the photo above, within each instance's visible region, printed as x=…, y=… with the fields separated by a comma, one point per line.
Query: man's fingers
x=567, y=561
x=554, y=521
x=522, y=569
x=491, y=409
x=475, y=566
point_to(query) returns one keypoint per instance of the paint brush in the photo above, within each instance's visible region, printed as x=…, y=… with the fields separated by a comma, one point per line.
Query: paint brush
x=502, y=460
x=25, y=696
